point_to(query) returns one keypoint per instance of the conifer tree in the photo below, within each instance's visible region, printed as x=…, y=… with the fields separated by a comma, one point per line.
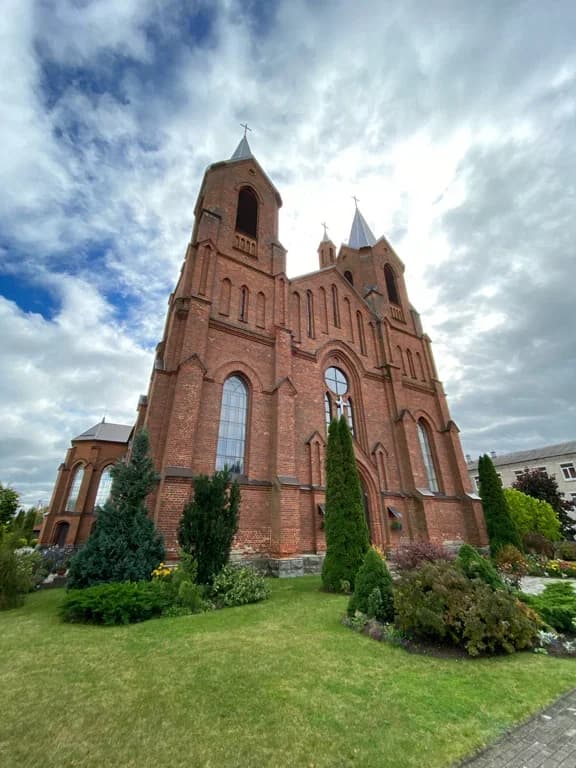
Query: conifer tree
x=499, y=524
x=124, y=544
x=347, y=539
x=209, y=523
x=373, y=575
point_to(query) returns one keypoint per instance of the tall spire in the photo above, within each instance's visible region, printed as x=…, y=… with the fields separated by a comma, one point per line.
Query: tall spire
x=243, y=151
x=360, y=235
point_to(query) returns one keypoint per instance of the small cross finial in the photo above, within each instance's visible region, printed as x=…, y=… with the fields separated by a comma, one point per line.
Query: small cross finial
x=356, y=200
x=325, y=230
x=246, y=128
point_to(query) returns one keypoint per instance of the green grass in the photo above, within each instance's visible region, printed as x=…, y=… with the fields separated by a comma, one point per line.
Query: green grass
x=279, y=683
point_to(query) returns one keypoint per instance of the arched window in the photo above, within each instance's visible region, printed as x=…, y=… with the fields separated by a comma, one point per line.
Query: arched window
x=75, y=489
x=361, y=336
x=335, y=307
x=247, y=213
x=337, y=401
x=232, y=430
x=391, y=286
x=261, y=310
x=348, y=276
x=60, y=534
x=104, y=487
x=401, y=358
x=243, y=311
x=310, y=313
x=427, y=456
x=411, y=364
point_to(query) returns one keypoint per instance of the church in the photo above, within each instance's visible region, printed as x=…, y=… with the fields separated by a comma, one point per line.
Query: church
x=252, y=367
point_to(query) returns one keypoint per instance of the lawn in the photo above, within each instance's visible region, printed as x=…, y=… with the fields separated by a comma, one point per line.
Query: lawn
x=279, y=683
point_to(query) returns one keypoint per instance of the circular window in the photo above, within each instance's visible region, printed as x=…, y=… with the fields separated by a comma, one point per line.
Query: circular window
x=336, y=381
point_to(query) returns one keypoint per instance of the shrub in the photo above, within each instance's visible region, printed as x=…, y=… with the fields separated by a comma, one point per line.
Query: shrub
x=238, y=586
x=532, y=515
x=439, y=602
x=14, y=582
x=123, y=544
x=412, y=555
x=209, y=523
x=566, y=550
x=511, y=564
x=556, y=605
x=538, y=544
x=477, y=567
x=119, y=603
x=373, y=590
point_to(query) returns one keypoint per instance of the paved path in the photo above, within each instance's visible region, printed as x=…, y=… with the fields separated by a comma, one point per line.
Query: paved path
x=533, y=585
x=547, y=740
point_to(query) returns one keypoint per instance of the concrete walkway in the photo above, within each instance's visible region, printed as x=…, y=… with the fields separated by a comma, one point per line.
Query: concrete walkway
x=547, y=740
x=533, y=585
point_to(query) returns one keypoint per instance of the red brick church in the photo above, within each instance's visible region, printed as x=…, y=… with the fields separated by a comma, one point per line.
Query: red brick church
x=254, y=365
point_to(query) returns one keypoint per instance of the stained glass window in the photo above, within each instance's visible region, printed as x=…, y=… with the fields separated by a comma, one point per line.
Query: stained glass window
x=232, y=430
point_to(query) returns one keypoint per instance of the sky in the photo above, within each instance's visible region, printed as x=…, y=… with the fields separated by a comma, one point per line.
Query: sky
x=454, y=123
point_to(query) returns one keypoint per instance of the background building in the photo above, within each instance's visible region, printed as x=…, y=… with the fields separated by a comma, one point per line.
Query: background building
x=252, y=366
x=558, y=461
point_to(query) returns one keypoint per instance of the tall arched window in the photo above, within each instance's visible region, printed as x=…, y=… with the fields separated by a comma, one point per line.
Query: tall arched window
x=335, y=307
x=247, y=213
x=411, y=363
x=348, y=276
x=232, y=430
x=75, y=488
x=337, y=401
x=391, y=285
x=427, y=456
x=361, y=337
x=310, y=313
x=104, y=487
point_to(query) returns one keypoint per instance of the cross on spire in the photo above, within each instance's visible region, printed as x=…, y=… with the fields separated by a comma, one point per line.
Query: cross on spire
x=246, y=128
x=356, y=200
x=325, y=229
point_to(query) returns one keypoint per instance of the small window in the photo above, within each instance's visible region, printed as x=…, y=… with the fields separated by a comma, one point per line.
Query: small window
x=61, y=534
x=477, y=484
x=348, y=276
x=573, y=497
x=247, y=213
x=568, y=471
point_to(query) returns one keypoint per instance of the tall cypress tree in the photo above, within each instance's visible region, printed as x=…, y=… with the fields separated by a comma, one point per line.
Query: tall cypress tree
x=499, y=524
x=347, y=539
x=124, y=544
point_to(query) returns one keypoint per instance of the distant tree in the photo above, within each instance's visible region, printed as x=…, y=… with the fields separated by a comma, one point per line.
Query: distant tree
x=532, y=515
x=124, y=544
x=347, y=539
x=499, y=524
x=9, y=503
x=539, y=485
x=209, y=523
